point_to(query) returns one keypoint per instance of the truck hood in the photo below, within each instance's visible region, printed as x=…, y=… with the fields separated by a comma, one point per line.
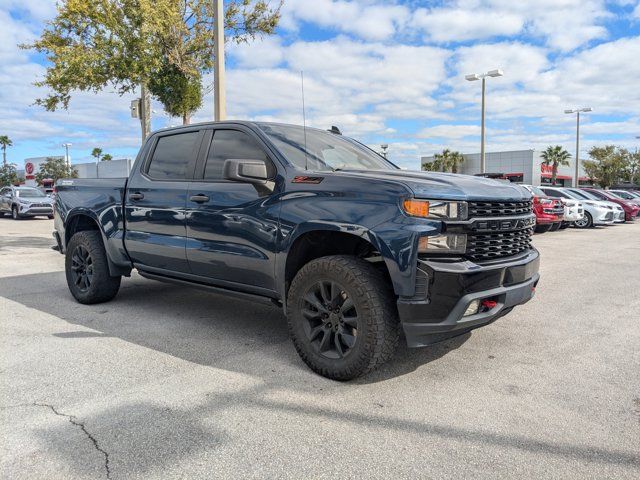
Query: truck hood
x=447, y=186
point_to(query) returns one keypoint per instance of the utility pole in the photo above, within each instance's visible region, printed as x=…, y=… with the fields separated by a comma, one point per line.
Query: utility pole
x=219, y=82
x=145, y=112
x=576, y=180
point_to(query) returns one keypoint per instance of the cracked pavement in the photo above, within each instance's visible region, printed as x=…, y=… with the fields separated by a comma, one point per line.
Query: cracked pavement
x=170, y=382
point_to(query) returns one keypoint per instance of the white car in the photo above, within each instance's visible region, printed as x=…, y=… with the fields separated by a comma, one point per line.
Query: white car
x=618, y=211
x=574, y=211
x=596, y=212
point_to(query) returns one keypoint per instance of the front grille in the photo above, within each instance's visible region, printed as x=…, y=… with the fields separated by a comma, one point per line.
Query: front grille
x=499, y=209
x=39, y=205
x=487, y=246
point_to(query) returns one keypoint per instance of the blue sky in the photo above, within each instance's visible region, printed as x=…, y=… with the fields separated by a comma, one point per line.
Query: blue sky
x=384, y=72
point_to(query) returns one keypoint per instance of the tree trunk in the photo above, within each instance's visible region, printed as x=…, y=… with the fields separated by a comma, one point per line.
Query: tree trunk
x=186, y=119
x=145, y=112
x=4, y=156
x=554, y=173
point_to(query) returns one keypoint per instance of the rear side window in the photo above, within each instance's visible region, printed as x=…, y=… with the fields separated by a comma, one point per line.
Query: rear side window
x=228, y=144
x=173, y=155
x=553, y=193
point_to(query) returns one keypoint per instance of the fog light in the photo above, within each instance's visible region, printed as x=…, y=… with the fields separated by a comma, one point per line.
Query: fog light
x=472, y=309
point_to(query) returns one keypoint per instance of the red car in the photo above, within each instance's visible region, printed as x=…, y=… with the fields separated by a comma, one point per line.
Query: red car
x=549, y=211
x=631, y=210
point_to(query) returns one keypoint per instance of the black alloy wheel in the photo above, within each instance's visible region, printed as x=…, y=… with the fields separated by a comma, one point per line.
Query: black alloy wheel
x=82, y=268
x=331, y=319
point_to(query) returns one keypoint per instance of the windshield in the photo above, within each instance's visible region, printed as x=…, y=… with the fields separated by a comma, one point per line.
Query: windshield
x=537, y=191
x=584, y=194
x=573, y=194
x=29, y=193
x=620, y=194
x=322, y=150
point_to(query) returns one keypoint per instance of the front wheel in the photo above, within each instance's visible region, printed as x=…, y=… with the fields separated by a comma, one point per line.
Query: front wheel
x=87, y=269
x=584, y=222
x=342, y=317
x=556, y=226
x=543, y=228
x=15, y=214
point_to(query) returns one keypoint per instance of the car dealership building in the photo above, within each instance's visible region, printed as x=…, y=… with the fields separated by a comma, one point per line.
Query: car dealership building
x=521, y=166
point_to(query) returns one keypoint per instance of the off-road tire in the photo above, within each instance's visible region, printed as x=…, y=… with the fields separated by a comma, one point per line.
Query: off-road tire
x=587, y=224
x=378, y=327
x=50, y=217
x=555, y=227
x=102, y=287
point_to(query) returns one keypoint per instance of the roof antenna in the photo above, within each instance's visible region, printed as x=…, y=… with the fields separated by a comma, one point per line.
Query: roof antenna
x=304, y=122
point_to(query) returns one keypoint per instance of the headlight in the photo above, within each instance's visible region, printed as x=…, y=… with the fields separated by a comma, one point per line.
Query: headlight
x=25, y=202
x=436, y=209
x=444, y=243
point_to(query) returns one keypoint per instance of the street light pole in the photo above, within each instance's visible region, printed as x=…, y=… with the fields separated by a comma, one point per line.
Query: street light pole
x=219, y=87
x=576, y=180
x=483, y=76
x=66, y=158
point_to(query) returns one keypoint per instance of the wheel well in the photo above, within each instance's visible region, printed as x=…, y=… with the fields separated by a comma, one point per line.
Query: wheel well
x=77, y=224
x=316, y=244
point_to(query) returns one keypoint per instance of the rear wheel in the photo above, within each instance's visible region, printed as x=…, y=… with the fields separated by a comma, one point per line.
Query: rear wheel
x=87, y=269
x=50, y=217
x=584, y=222
x=342, y=317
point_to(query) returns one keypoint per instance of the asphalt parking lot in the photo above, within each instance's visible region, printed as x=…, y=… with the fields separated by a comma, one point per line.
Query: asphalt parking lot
x=171, y=382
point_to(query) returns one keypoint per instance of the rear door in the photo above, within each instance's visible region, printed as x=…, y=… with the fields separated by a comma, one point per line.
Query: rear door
x=231, y=226
x=155, y=202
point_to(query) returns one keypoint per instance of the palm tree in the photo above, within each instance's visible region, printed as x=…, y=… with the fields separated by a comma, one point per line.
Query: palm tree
x=447, y=161
x=5, y=141
x=555, y=156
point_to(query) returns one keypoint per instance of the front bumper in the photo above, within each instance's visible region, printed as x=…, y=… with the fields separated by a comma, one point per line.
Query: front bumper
x=29, y=211
x=444, y=290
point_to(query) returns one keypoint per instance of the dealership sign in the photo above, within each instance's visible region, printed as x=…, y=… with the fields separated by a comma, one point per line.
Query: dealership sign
x=29, y=168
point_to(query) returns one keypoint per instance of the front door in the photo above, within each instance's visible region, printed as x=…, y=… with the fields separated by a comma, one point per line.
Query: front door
x=156, y=200
x=231, y=226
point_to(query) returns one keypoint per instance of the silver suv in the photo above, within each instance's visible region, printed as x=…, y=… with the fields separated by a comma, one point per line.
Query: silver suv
x=23, y=202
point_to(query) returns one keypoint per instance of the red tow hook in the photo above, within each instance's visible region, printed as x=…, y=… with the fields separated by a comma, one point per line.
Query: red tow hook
x=489, y=304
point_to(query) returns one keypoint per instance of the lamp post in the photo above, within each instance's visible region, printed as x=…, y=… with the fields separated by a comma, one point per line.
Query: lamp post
x=66, y=157
x=219, y=87
x=482, y=76
x=576, y=181
x=384, y=148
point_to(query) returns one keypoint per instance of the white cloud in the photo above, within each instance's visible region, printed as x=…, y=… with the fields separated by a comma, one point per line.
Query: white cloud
x=456, y=25
x=449, y=131
x=263, y=53
x=367, y=20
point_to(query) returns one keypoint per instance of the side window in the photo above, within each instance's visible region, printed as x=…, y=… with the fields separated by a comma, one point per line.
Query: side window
x=228, y=144
x=599, y=195
x=173, y=155
x=552, y=193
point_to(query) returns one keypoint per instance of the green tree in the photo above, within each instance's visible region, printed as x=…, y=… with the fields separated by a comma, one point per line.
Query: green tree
x=96, y=153
x=5, y=142
x=106, y=157
x=607, y=165
x=8, y=174
x=180, y=93
x=555, y=156
x=447, y=161
x=123, y=44
x=55, y=168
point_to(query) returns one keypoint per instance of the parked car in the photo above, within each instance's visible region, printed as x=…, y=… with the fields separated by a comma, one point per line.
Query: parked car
x=631, y=210
x=624, y=195
x=352, y=247
x=594, y=212
x=573, y=208
x=21, y=202
x=549, y=211
x=615, y=209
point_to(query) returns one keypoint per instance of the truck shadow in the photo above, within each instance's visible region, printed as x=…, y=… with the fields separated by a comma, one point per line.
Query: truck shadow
x=200, y=327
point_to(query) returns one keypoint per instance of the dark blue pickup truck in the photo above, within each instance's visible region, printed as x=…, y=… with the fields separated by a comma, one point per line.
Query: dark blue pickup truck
x=355, y=250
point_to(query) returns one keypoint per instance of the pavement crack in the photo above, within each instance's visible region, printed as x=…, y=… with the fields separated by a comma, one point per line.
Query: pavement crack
x=73, y=420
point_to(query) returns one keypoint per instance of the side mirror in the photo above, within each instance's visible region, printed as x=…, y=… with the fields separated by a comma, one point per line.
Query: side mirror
x=248, y=171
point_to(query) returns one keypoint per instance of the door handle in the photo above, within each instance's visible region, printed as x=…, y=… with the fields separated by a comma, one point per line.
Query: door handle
x=136, y=196
x=200, y=198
